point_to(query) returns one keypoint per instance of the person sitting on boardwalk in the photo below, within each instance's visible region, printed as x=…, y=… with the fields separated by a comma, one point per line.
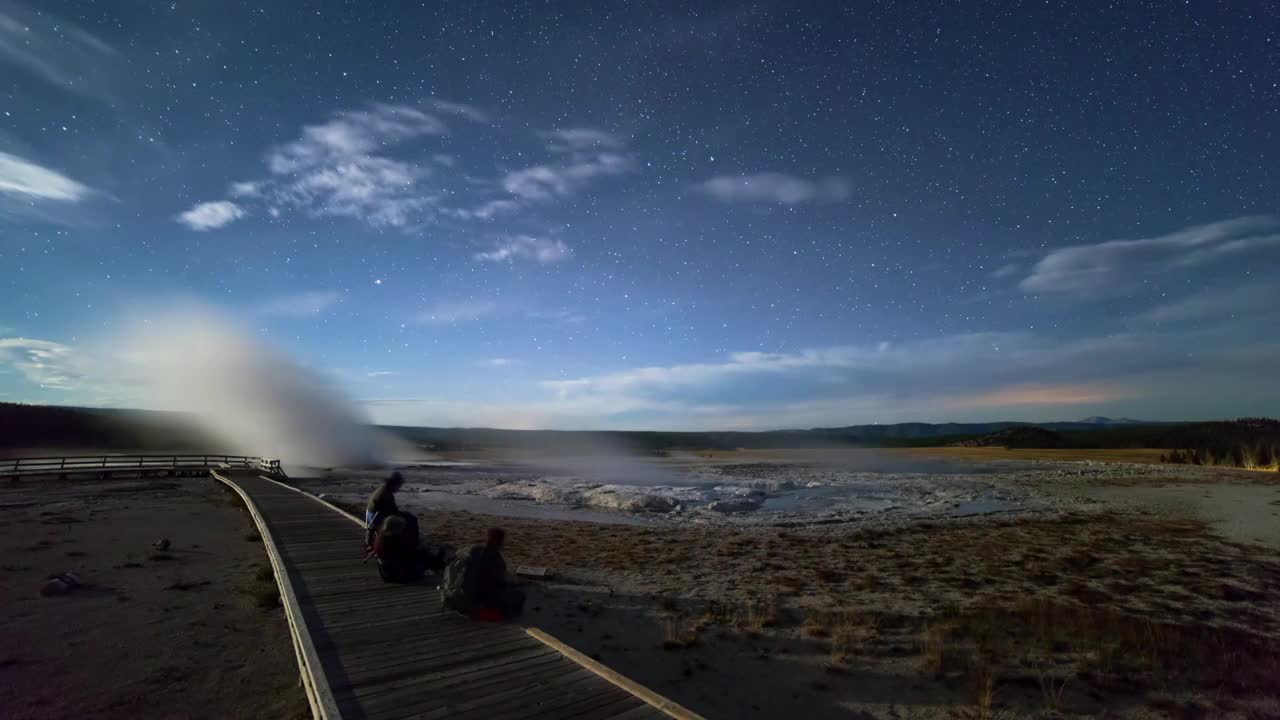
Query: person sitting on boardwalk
x=476, y=583
x=382, y=505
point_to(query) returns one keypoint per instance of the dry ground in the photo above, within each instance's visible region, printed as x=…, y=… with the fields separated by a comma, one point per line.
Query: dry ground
x=1079, y=616
x=178, y=633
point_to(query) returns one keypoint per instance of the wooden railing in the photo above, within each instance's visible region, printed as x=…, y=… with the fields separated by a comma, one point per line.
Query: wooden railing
x=108, y=465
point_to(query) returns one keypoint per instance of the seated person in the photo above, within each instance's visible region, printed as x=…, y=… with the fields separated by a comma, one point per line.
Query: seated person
x=396, y=546
x=382, y=505
x=476, y=584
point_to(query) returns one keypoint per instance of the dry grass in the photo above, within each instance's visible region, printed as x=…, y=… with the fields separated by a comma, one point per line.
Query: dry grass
x=1148, y=456
x=934, y=646
x=1036, y=613
x=678, y=632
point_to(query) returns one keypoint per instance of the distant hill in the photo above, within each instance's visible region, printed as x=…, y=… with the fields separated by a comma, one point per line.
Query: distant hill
x=928, y=430
x=43, y=426
x=1023, y=436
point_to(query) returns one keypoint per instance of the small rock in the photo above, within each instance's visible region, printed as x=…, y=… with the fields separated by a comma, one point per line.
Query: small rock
x=162, y=544
x=57, y=586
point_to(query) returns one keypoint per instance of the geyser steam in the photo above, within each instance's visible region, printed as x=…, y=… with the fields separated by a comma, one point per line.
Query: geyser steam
x=242, y=392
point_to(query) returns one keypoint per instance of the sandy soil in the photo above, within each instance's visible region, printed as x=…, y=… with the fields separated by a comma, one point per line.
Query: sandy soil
x=160, y=634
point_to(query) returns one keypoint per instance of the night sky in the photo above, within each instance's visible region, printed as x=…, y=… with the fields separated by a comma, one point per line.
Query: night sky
x=624, y=215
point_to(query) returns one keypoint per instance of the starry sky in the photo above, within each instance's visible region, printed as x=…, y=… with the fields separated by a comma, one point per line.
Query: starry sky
x=641, y=215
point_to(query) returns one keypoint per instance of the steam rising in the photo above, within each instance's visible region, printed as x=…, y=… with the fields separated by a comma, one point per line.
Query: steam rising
x=243, y=393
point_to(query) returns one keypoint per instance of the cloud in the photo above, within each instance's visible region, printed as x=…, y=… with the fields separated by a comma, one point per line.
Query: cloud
x=579, y=157
x=211, y=215
x=43, y=362
x=485, y=210
x=58, y=52
x=1006, y=270
x=987, y=373
x=381, y=373
x=570, y=140
x=567, y=317
x=302, y=304
x=543, y=250
x=1245, y=301
x=546, y=182
x=22, y=177
x=340, y=168
x=498, y=362
x=470, y=112
x=1107, y=265
x=457, y=312
x=777, y=188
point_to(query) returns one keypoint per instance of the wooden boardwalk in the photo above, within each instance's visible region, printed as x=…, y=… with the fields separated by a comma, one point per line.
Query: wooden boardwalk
x=369, y=649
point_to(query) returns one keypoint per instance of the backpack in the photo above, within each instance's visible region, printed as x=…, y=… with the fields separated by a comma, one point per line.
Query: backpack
x=453, y=588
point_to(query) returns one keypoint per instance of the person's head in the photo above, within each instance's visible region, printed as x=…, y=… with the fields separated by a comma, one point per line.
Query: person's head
x=495, y=537
x=395, y=481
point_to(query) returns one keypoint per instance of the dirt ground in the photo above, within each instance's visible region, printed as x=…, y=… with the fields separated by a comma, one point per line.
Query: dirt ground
x=159, y=633
x=1089, y=615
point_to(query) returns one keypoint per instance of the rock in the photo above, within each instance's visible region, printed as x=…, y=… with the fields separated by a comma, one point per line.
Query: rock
x=737, y=505
x=55, y=587
x=1235, y=593
x=61, y=585
x=162, y=544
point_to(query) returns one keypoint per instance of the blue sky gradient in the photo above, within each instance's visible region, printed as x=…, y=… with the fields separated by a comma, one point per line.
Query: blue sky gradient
x=624, y=215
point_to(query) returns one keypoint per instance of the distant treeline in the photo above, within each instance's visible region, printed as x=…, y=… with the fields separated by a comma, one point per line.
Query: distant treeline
x=1252, y=443
x=608, y=442
x=51, y=426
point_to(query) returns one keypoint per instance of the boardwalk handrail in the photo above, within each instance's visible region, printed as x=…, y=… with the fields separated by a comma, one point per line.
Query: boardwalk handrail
x=80, y=464
x=310, y=671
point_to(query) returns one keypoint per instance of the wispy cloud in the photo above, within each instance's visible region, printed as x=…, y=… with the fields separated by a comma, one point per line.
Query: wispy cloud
x=381, y=373
x=579, y=140
x=546, y=182
x=43, y=362
x=58, y=52
x=776, y=187
x=1252, y=300
x=302, y=304
x=567, y=317
x=962, y=374
x=458, y=312
x=340, y=168
x=580, y=156
x=1108, y=265
x=1006, y=270
x=211, y=215
x=527, y=247
x=25, y=178
x=498, y=362
x=463, y=110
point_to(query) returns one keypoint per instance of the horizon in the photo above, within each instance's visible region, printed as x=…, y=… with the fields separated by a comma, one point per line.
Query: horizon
x=736, y=218
x=1096, y=421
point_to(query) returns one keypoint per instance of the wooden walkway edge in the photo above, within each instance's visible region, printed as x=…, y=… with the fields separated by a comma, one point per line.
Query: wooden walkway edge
x=372, y=650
